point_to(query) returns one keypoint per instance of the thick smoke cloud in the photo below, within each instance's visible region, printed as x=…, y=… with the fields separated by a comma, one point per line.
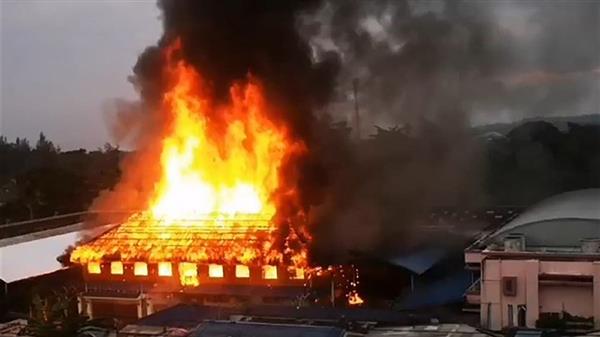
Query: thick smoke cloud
x=434, y=68
x=228, y=40
x=413, y=62
x=500, y=59
x=416, y=67
x=556, y=59
x=430, y=67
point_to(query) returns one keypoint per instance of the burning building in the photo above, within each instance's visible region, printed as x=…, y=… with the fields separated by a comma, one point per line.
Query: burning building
x=216, y=226
x=211, y=218
x=148, y=267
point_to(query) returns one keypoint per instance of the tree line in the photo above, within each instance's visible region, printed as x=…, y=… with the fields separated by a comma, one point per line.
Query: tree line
x=532, y=161
x=43, y=180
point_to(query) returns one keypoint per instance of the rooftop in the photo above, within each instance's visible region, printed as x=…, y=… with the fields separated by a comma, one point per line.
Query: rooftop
x=243, y=329
x=581, y=204
x=543, y=224
x=439, y=330
x=239, y=240
x=190, y=315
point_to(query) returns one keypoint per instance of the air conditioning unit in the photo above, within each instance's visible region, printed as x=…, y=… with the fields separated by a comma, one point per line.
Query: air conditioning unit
x=514, y=243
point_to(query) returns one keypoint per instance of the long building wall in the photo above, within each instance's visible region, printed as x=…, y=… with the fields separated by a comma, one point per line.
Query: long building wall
x=539, y=287
x=574, y=299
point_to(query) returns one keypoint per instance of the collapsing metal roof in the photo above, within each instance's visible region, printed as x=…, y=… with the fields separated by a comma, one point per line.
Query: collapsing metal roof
x=242, y=240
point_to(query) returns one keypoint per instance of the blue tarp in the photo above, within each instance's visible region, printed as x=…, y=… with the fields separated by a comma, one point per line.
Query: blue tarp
x=448, y=290
x=420, y=261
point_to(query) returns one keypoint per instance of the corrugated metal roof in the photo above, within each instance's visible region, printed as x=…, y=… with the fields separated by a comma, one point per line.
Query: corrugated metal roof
x=184, y=316
x=448, y=290
x=140, y=239
x=143, y=330
x=440, y=330
x=243, y=329
x=43, y=251
x=13, y=328
x=419, y=261
x=189, y=315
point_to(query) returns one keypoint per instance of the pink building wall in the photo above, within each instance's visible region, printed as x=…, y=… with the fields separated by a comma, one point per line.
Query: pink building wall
x=577, y=298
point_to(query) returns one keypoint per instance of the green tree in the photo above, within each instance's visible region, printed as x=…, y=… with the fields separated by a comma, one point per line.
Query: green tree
x=22, y=144
x=45, y=145
x=55, y=315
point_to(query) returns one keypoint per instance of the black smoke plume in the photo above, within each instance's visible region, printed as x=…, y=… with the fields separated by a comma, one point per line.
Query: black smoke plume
x=424, y=69
x=433, y=68
x=227, y=40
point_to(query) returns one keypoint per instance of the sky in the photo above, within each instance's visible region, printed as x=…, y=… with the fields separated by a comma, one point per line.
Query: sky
x=63, y=61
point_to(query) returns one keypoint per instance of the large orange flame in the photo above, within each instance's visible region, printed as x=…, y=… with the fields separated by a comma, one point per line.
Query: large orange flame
x=231, y=172
x=215, y=199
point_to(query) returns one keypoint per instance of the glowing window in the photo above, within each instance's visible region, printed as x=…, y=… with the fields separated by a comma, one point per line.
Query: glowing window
x=116, y=268
x=140, y=269
x=93, y=268
x=165, y=269
x=215, y=270
x=298, y=274
x=242, y=271
x=188, y=273
x=269, y=272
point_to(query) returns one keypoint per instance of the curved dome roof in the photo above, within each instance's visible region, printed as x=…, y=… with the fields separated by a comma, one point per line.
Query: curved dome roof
x=559, y=220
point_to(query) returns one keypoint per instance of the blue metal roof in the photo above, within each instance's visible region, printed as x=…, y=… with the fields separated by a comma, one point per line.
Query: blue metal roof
x=189, y=315
x=419, y=261
x=243, y=329
x=185, y=316
x=448, y=290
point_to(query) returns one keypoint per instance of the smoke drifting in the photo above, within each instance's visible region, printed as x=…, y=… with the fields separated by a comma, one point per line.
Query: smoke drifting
x=435, y=68
x=417, y=67
x=431, y=67
x=500, y=60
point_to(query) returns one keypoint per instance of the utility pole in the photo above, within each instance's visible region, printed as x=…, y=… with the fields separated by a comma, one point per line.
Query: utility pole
x=356, y=113
x=332, y=290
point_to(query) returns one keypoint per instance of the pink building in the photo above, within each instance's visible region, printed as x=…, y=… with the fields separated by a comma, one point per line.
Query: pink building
x=544, y=263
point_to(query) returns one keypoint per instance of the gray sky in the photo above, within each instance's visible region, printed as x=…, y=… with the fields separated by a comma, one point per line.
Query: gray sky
x=62, y=61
